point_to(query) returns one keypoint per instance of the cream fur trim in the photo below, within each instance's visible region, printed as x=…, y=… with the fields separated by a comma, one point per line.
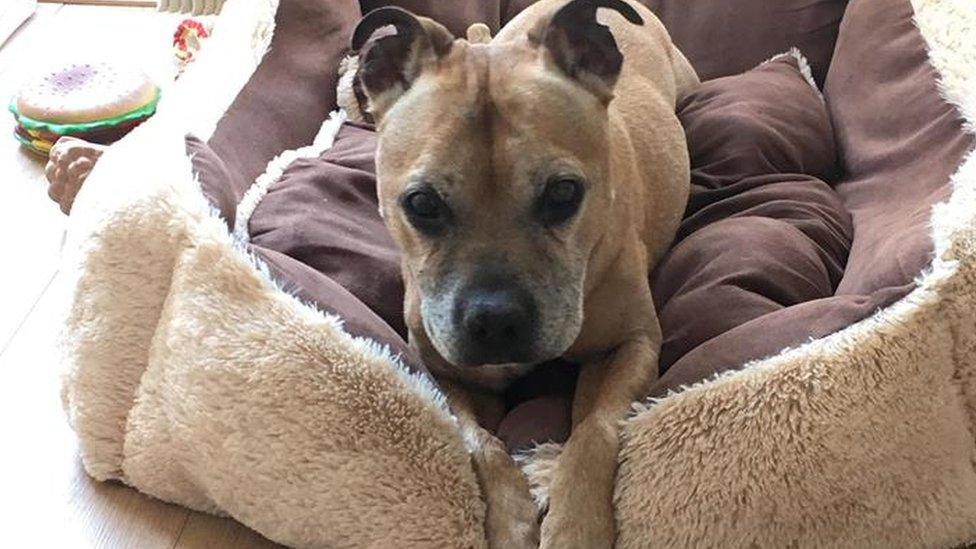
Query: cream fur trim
x=802, y=64
x=345, y=96
x=947, y=28
x=539, y=465
x=276, y=168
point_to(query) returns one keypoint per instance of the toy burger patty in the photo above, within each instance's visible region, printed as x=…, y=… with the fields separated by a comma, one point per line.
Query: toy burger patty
x=96, y=102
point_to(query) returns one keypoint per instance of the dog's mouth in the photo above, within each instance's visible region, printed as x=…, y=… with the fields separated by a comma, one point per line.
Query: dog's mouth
x=483, y=343
x=482, y=348
x=500, y=316
x=483, y=320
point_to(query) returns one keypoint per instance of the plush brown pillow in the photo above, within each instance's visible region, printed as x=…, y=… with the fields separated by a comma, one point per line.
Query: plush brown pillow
x=456, y=15
x=763, y=231
x=323, y=213
x=723, y=37
x=292, y=91
x=899, y=140
x=894, y=164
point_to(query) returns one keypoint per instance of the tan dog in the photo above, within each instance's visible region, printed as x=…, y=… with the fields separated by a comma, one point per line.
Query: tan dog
x=532, y=182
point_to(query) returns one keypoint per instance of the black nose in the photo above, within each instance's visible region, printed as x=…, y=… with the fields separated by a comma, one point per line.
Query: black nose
x=498, y=325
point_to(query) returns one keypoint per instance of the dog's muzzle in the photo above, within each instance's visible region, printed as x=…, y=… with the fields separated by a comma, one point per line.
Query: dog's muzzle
x=496, y=325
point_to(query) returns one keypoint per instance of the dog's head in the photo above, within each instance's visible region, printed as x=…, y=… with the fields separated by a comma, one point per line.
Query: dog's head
x=492, y=165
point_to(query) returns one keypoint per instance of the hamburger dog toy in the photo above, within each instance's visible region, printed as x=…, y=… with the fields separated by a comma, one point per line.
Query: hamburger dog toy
x=97, y=102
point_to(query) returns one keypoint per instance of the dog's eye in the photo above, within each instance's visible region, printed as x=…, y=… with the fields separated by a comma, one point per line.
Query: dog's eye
x=559, y=201
x=425, y=210
x=423, y=204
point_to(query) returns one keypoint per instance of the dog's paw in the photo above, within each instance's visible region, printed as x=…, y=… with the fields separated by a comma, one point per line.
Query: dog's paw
x=512, y=518
x=70, y=162
x=581, y=532
x=512, y=515
x=580, y=512
x=512, y=528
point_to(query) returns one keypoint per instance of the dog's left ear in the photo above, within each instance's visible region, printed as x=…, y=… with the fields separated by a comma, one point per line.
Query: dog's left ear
x=581, y=47
x=394, y=61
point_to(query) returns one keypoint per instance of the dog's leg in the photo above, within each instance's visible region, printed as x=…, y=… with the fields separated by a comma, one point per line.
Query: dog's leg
x=512, y=517
x=581, y=494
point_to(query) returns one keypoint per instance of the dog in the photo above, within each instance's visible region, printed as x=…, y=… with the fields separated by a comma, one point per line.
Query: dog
x=532, y=181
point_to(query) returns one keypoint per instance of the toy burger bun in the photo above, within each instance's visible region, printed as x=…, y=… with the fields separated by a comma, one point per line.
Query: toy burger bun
x=97, y=102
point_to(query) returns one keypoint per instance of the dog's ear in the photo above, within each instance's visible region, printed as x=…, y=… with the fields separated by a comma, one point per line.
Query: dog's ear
x=581, y=47
x=394, y=61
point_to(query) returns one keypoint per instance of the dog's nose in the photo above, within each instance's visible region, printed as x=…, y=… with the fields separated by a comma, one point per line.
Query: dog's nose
x=497, y=325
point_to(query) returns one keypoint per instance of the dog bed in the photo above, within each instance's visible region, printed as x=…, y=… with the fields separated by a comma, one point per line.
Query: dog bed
x=234, y=341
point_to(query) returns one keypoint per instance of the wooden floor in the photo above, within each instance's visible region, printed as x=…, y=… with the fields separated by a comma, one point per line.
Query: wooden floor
x=46, y=500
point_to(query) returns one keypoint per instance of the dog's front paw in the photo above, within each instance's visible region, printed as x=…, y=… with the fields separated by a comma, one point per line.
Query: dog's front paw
x=514, y=527
x=512, y=516
x=583, y=528
x=512, y=519
x=580, y=511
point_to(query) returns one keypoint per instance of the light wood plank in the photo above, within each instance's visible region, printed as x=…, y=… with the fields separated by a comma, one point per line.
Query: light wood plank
x=45, y=474
x=115, y=3
x=13, y=14
x=30, y=225
x=15, y=49
x=32, y=229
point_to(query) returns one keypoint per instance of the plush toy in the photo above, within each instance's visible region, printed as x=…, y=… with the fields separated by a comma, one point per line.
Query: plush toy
x=98, y=102
x=187, y=41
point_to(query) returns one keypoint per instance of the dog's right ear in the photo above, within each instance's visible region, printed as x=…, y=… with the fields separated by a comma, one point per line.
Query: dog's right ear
x=584, y=49
x=393, y=62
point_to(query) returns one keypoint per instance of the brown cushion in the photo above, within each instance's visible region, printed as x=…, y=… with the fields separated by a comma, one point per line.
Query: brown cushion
x=895, y=163
x=323, y=213
x=723, y=37
x=539, y=406
x=899, y=141
x=214, y=178
x=763, y=231
x=292, y=91
x=456, y=15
